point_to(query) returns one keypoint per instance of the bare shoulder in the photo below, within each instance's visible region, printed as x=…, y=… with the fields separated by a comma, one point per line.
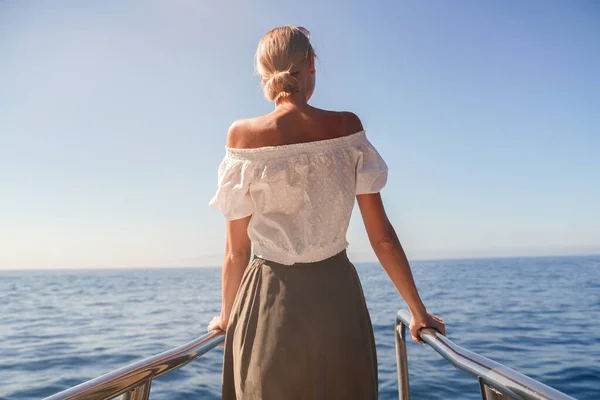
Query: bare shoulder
x=344, y=121
x=238, y=133
x=352, y=123
x=250, y=132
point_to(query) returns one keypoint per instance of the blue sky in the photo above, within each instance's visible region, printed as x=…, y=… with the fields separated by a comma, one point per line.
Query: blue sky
x=113, y=118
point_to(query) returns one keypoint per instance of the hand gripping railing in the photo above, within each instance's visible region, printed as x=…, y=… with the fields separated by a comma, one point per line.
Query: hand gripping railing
x=133, y=381
x=496, y=381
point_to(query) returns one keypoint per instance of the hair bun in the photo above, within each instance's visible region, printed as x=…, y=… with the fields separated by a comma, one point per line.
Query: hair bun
x=282, y=50
x=281, y=84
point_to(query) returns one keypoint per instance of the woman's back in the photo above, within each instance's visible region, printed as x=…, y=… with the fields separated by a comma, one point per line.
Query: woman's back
x=299, y=192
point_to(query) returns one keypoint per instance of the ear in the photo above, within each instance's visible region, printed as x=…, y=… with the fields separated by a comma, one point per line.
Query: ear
x=312, y=64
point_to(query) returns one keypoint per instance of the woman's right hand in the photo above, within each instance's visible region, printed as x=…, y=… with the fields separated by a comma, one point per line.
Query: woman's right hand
x=428, y=321
x=217, y=323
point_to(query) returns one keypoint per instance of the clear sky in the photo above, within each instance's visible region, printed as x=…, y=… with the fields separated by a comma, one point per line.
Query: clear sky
x=113, y=118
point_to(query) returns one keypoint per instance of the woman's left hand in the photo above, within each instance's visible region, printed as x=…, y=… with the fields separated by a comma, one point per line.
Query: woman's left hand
x=428, y=321
x=217, y=323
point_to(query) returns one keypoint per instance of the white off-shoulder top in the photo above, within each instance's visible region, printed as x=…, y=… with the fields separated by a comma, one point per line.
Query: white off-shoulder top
x=300, y=195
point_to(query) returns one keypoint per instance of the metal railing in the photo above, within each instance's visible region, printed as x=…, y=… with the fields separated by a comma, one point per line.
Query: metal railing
x=496, y=381
x=133, y=381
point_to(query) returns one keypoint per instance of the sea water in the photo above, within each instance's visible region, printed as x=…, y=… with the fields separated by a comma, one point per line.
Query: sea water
x=540, y=316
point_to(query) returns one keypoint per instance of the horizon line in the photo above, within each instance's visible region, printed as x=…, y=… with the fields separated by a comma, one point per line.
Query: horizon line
x=420, y=260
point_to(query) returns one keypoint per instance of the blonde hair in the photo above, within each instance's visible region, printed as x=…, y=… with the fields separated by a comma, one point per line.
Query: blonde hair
x=282, y=52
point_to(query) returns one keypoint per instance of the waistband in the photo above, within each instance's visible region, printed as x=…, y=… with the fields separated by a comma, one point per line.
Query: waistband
x=342, y=255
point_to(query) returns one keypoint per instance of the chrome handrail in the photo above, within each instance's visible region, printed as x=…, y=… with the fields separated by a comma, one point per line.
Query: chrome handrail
x=495, y=380
x=133, y=381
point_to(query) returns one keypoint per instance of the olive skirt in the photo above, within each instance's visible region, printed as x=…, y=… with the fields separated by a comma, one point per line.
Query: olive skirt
x=300, y=331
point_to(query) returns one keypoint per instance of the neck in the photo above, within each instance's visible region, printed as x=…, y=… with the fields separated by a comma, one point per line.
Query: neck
x=297, y=99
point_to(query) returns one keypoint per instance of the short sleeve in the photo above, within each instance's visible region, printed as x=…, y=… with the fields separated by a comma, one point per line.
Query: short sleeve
x=371, y=169
x=233, y=192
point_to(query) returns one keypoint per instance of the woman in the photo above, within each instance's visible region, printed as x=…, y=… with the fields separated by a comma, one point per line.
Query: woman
x=296, y=322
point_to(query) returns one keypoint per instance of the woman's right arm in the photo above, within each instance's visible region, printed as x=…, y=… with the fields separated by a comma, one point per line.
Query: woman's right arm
x=390, y=254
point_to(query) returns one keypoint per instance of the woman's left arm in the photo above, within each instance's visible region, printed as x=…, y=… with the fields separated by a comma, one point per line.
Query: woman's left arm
x=237, y=255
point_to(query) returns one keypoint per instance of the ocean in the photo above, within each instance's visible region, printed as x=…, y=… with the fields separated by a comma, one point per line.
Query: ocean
x=540, y=316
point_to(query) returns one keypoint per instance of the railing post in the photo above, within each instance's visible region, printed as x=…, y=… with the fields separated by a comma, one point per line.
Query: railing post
x=401, y=360
x=141, y=392
x=489, y=393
